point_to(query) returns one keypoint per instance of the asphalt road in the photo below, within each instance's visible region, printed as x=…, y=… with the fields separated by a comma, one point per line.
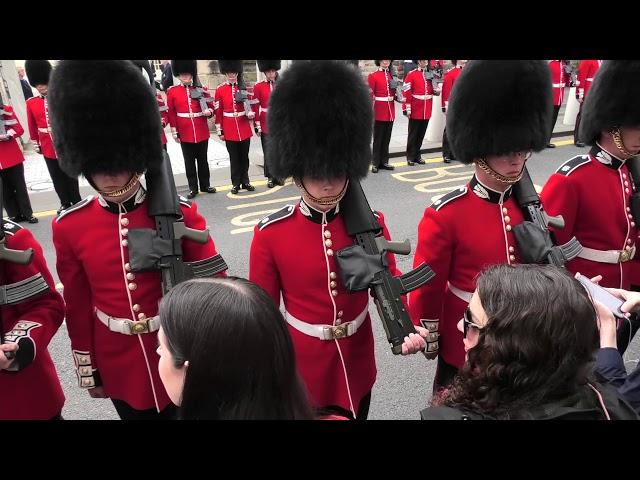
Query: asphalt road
x=404, y=383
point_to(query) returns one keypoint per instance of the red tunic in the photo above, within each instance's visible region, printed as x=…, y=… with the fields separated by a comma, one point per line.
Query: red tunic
x=261, y=92
x=460, y=235
x=93, y=266
x=447, y=86
x=38, y=123
x=231, y=120
x=185, y=114
x=592, y=194
x=383, y=97
x=10, y=153
x=33, y=392
x=558, y=81
x=164, y=116
x=586, y=71
x=293, y=254
x=418, y=95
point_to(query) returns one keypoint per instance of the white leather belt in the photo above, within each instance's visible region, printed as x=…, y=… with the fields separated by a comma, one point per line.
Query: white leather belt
x=422, y=97
x=126, y=326
x=233, y=114
x=328, y=332
x=607, y=256
x=191, y=115
x=558, y=85
x=461, y=294
x=44, y=130
x=590, y=79
x=383, y=99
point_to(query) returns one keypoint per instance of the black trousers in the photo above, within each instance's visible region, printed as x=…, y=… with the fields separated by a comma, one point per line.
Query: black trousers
x=362, y=412
x=417, y=130
x=127, y=412
x=446, y=148
x=445, y=373
x=556, y=109
x=66, y=187
x=196, y=152
x=16, y=197
x=264, y=140
x=239, y=156
x=576, y=131
x=381, y=139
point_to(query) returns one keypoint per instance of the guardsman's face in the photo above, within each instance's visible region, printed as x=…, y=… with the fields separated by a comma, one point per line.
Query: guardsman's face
x=232, y=77
x=324, y=187
x=185, y=77
x=172, y=377
x=631, y=138
x=42, y=89
x=509, y=165
x=107, y=182
x=270, y=74
x=385, y=63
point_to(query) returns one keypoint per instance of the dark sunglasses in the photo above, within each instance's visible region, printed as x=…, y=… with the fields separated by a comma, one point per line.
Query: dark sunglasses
x=468, y=323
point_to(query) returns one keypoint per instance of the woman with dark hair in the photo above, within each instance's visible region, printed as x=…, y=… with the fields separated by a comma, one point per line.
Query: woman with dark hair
x=225, y=353
x=530, y=337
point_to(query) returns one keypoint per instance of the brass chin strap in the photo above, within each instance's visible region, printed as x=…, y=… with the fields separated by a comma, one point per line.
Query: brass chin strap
x=501, y=178
x=324, y=200
x=121, y=191
x=617, y=140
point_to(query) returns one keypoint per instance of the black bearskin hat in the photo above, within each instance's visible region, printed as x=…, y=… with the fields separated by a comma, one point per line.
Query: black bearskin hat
x=498, y=107
x=104, y=118
x=146, y=66
x=613, y=99
x=377, y=62
x=38, y=72
x=320, y=122
x=264, y=65
x=230, y=66
x=184, y=66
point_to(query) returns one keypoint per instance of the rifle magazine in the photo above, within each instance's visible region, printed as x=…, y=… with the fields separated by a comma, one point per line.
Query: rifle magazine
x=209, y=266
x=416, y=278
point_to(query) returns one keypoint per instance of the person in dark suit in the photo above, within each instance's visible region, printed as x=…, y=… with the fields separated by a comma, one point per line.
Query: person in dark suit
x=26, y=88
x=166, y=80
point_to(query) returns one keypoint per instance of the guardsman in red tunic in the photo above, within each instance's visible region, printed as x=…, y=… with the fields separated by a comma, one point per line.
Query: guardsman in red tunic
x=16, y=198
x=447, y=86
x=586, y=73
x=470, y=228
x=233, y=122
x=418, y=94
x=593, y=192
x=66, y=187
x=261, y=92
x=31, y=311
x=383, y=93
x=112, y=310
x=558, y=83
x=147, y=73
x=189, y=107
x=293, y=250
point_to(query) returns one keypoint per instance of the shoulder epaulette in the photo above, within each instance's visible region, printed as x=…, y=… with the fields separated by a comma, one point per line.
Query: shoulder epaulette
x=81, y=204
x=572, y=164
x=11, y=227
x=448, y=198
x=281, y=214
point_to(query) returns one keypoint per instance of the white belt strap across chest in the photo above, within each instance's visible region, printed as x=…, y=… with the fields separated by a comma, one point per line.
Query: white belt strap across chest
x=328, y=332
x=607, y=256
x=126, y=326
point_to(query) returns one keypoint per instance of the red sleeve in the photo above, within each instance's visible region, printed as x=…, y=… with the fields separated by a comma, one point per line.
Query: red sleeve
x=262, y=267
x=446, y=89
x=171, y=111
x=31, y=124
x=40, y=317
x=435, y=248
x=582, y=75
x=164, y=113
x=257, y=94
x=191, y=249
x=407, y=88
x=17, y=127
x=372, y=84
x=559, y=197
x=79, y=300
x=218, y=110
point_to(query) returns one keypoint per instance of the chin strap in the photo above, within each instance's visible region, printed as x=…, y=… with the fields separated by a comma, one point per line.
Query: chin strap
x=121, y=191
x=501, y=178
x=324, y=200
x=617, y=140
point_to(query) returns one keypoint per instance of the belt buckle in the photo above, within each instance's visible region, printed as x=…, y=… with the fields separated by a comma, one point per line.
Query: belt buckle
x=625, y=256
x=141, y=326
x=339, y=331
x=235, y=114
